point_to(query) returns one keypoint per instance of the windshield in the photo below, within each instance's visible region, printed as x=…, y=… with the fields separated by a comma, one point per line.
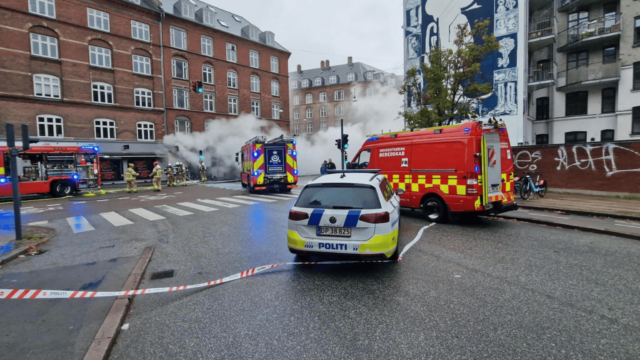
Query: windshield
x=338, y=197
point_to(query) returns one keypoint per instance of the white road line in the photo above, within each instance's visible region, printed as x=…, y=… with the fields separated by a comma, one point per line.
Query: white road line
x=197, y=207
x=237, y=201
x=218, y=203
x=79, y=202
x=55, y=205
x=286, y=196
x=116, y=219
x=631, y=226
x=124, y=198
x=557, y=217
x=79, y=224
x=27, y=207
x=254, y=198
x=270, y=197
x=174, y=211
x=178, y=192
x=104, y=200
x=44, y=222
x=151, y=216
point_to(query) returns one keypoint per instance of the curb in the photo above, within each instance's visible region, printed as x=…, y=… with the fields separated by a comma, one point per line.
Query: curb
x=571, y=227
x=23, y=250
x=579, y=212
x=106, y=337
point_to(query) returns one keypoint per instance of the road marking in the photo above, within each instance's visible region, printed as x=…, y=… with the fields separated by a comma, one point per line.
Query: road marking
x=557, y=217
x=271, y=197
x=44, y=222
x=178, y=192
x=254, y=198
x=197, y=207
x=116, y=219
x=55, y=205
x=124, y=198
x=27, y=207
x=237, y=200
x=173, y=210
x=79, y=224
x=151, y=216
x=631, y=226
x=218, y=203
x=285, y=196
x=79, y=202
x=104, y=200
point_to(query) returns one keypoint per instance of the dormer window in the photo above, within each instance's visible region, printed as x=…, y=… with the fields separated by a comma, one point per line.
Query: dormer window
x=223, y=23
x=305, y=83
x=333, y=79
x=269, y=39
x=236, y=18
x=368, y=76
x=188, y=10
x=254, y=33
x=317, y=81
x=208, y=17
x=351, y=77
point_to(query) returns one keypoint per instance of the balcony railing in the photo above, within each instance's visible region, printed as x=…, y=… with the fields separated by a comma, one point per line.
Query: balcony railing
x=590, y=73
x=566, y=5
x=540, y=29
x=541, y=72
x=589, y=30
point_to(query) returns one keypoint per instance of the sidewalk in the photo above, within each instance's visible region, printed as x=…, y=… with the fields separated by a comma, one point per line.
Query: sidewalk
x=583, y=204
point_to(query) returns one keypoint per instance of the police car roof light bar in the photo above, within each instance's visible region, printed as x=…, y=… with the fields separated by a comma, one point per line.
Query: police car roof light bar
x=354, y=171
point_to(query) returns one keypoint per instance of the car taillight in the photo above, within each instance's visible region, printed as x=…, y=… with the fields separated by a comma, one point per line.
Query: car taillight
x=298, y=215
x=472, y=183
x=378, y=218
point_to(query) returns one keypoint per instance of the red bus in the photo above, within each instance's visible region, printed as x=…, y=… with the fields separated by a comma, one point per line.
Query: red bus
x=56, y=170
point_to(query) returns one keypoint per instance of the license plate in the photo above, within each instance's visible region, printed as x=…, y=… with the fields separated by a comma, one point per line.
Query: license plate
x=494, y=189
x=333, y=231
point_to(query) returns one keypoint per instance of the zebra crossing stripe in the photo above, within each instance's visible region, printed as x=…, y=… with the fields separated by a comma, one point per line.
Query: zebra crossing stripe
x=144, y=213
x=116, y=219
x=218, y=203
x=197, y=206
x=285, y=196
x=173, y=210
x=253, y=198
x=36, y=223
x=237, y=201
x=271, y=197
x=79, y=224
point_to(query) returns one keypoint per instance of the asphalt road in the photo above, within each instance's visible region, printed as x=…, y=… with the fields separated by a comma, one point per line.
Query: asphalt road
x=475, y=289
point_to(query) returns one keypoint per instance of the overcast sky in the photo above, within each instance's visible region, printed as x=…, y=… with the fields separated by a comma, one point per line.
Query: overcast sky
x=312, y=30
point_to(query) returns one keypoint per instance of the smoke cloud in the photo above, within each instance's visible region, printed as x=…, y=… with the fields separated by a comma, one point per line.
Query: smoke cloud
x=224, y=138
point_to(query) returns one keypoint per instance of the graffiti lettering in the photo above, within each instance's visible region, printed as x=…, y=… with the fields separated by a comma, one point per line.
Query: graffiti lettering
x=525, y=159
x=583, y=158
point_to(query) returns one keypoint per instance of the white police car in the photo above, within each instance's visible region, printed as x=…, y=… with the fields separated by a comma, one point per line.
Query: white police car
x=354, y=214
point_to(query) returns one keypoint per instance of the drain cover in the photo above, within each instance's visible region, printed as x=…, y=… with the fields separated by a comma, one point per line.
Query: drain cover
x=162, y=275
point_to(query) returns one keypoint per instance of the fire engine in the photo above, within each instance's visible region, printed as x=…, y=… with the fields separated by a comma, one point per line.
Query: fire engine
x=57, y=170
x=269, y=165
x=463, y=168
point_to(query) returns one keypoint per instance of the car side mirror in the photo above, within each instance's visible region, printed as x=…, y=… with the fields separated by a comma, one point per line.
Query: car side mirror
x=399, y=191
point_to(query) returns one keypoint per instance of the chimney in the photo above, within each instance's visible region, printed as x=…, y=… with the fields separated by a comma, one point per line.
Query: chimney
x=327, y=63
x=322, y=64
x=350, y=60
x=299, y=68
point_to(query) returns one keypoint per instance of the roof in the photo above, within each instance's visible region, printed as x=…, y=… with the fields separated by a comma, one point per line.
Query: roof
x=364, y=178
x=342, y=71
x=153, y=5
x=235, y=23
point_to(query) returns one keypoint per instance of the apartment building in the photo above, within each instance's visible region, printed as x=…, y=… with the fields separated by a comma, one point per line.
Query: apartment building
x=584, y=71
x=321, y=97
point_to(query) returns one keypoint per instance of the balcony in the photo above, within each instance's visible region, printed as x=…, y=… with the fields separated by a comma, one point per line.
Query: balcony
x=541, y=76
x=566, y=5
x=596, y=32
x=541, y=34
x=589, y=76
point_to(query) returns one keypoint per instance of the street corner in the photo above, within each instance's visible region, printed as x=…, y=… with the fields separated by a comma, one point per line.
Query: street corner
x=33, y=237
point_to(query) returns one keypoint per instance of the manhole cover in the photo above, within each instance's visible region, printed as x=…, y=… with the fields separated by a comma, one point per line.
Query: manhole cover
x=162, y=275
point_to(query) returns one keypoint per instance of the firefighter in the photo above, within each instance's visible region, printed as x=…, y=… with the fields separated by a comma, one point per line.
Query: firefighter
x=179, y=174
x=130, y=178
x=203, y=172
x=169, y=172
x=157, y=177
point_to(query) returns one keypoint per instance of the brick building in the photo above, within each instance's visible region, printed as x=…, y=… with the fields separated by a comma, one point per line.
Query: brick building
x=322, y=96
x=85, y=72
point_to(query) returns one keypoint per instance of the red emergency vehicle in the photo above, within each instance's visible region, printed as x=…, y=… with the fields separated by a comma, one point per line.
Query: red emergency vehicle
x=58, y=170
x=464, y=168
x=269, y=165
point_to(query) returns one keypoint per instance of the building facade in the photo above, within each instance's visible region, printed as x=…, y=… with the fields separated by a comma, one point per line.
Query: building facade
x=319, y=98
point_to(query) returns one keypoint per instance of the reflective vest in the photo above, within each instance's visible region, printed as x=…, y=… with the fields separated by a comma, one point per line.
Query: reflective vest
x=129, y=174
x=157, y=172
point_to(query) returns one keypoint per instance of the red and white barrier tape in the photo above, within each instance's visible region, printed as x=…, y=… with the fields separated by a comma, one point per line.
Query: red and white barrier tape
x=61, y=294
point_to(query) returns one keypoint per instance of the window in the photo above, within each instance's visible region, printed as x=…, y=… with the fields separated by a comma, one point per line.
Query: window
x=317, y=81
x=232, y=54
x=339, y=110
x=178, y=38
x=310, y=128
x=207, y=17
x=254, y=33
x=362, y=162
x=179, y=69
x=323, y=97
x=576, y=103
x=206, y=43
x=368, y=76
x=269, y=39
x=609, y=11
x=187, y=9
x=333, y=79
x=308, y=98
x=43, y=7
x=183, y=125
x=223, y=23
x=100, y=57
x=209, y=102
x=45, y=46
x=338, y=95
x=296, y=129
x=296, y=100
x=181, y=98
x=542, y=139
x=323, y=112
x=609, y=54
x=635, y=120
x=143, y=98
x=146, y=131
x=50, y=126
x=636, y=32
x=141, y=65
x=233, y=105
x=254, y=59
x=255, y=84
x=309, y=113
x=207, y=74
x=275, y=64
x=98, y=20
x=296, y=114
x=574, y=137
x=275, y=88
x=102, y=93
x=232, y=79
x=351, y=77
x=275, y=111
x=608, y=100
x=104, y=128
x=323, y=126
x=139, y=31
x=294, y=85
x=46, y=86
x=636, y=75
x=305, y=83
x=577, y=59
x=255, y=108
x=542, y=108
x=607, y=135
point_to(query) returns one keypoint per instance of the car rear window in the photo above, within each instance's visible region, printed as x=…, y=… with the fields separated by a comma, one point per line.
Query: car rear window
x=338, y=197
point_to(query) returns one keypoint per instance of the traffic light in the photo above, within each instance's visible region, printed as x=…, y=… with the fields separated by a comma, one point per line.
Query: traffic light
x=196, y=86
x=338, y=144
x=345, y=141
x=201, y=156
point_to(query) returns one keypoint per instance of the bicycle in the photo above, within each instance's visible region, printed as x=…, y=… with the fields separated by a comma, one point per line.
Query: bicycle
x=529, y=187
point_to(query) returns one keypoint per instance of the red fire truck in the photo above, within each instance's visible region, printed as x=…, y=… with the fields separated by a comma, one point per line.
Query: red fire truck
x=269, y=165
x=464, y=168
x=57, y=170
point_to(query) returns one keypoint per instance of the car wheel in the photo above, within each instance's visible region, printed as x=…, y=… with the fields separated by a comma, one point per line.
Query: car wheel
x=62, y=189
x=434, y=210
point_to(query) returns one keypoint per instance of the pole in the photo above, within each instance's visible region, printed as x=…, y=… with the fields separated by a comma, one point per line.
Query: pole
x=15, y=181
x=341, y=143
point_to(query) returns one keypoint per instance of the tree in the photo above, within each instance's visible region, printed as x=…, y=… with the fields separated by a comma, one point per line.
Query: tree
x=450, y=85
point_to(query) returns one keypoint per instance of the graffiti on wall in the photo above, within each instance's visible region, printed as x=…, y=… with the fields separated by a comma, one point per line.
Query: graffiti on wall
x=526, y=160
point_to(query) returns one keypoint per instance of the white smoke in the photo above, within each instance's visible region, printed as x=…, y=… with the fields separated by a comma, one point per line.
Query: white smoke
x=224, y=138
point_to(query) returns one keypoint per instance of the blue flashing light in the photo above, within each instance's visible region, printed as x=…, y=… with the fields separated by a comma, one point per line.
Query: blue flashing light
x=466, y=130
x=502, y=129
x=295, y=153
x=476, y=168
x=3, y=180
x=294, y=142
x=375, y=138
x=255, y=154
x=295, y=172
x=75, y=177
x=96, y=149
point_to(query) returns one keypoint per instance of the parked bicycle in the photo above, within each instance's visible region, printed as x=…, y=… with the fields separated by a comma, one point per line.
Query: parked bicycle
x=529, y=188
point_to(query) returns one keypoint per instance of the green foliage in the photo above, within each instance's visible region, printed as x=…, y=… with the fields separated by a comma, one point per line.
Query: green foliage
x=449, y=79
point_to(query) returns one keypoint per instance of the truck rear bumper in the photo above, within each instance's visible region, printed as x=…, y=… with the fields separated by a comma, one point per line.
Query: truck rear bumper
x=499, y=208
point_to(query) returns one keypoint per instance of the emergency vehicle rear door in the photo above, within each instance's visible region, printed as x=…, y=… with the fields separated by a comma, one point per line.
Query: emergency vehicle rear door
x=491, y=168
x=275, y=159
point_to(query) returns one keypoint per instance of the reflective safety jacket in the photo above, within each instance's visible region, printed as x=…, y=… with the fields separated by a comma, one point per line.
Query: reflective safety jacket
x=130, y=174
x=157, y=172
